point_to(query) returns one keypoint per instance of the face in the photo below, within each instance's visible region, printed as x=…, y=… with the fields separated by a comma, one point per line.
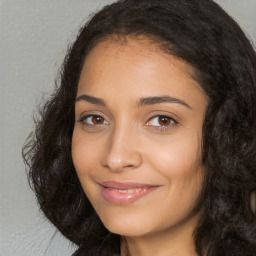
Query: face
x=136, y=143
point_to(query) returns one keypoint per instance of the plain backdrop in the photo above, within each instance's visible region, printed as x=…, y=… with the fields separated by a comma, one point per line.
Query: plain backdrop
x=34, y=36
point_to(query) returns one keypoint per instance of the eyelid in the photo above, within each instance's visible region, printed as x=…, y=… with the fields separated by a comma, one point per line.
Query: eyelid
x=89, y=112
x=93, y=115
x=158, y=116
x=162, y=129
x=151, y=116
x=91, y=127
x=170, y=114
x=165, y=116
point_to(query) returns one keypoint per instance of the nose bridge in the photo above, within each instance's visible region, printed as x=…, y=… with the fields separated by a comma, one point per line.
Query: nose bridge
x=122, y=151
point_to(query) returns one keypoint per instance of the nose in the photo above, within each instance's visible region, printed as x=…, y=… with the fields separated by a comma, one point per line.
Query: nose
x=122, y=152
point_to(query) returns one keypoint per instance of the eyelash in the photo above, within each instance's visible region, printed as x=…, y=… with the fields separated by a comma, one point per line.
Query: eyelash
x=171, y=122
x=83, y=120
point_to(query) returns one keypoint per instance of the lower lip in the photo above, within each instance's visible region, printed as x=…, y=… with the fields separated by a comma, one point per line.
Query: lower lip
x=125, y=196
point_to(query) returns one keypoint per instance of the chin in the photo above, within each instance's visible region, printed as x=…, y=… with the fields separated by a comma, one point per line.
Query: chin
x=127, y=231
x=129, y=225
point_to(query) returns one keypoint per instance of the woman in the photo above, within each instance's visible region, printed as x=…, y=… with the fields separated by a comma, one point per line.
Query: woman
x=147, y=146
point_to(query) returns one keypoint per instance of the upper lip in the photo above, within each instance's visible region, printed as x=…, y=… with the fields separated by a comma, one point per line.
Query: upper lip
x=124, y=185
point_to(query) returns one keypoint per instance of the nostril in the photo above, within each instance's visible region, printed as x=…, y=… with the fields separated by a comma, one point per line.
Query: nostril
x=129, y=166
x=130, y=163
x=121, y=153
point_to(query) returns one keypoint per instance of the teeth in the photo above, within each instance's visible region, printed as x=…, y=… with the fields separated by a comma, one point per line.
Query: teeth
x=129, y=191
x=132, y=190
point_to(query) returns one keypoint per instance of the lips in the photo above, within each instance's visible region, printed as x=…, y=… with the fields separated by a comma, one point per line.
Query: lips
x=124, y=192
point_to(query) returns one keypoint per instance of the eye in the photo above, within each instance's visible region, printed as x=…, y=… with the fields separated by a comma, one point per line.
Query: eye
x=162, y=121
x=92, y=120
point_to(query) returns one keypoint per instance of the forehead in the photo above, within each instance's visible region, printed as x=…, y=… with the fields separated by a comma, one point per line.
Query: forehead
x=137, y=47
x=136, y=67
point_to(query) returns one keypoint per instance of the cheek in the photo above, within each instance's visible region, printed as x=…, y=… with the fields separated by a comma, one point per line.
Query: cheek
x=84, y=153
x=179, y=161
x=85, y=156
x=184, y=177
x=179, y=156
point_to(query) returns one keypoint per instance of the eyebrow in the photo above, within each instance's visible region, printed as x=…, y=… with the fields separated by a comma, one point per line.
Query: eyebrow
x=91, y=99
x=161, y=99
x=142, y=102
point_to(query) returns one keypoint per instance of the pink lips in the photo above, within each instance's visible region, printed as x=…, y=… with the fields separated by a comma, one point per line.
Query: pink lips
x=124, y=192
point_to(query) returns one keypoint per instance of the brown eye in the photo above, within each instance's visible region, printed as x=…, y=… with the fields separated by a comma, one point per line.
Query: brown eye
x=161, y=121
x=97, y=120
x=164, y=120
x=94, y=120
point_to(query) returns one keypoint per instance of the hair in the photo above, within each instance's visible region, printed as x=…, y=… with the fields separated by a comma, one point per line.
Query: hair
x=203, y=35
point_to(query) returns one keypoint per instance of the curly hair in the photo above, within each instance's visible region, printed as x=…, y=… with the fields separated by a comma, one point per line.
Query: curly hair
x=202, y=34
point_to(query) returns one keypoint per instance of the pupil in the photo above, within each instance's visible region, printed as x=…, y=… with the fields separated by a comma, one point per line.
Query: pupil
x=97, y=120
x=163, y=120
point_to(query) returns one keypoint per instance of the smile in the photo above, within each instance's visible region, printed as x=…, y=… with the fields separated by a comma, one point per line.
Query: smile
x=124, y=193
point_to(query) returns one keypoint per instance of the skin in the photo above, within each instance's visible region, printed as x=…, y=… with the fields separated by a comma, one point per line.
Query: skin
x=129, y=142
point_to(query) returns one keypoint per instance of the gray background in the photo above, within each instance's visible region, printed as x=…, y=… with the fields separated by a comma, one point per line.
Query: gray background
x=34, y=38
